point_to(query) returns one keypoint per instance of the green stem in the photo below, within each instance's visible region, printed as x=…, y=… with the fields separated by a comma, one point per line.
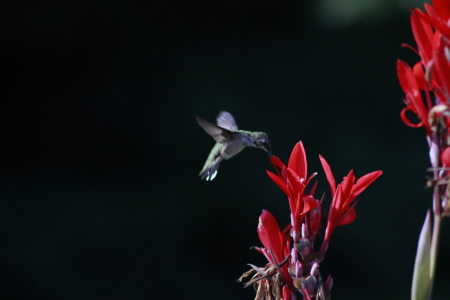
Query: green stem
x=436, y=234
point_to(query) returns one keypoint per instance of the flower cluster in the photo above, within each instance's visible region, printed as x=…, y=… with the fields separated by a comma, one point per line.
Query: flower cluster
x=293, y=263
x=427, y=88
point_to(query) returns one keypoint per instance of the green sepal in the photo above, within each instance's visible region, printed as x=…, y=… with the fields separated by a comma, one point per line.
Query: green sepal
x=421, y=286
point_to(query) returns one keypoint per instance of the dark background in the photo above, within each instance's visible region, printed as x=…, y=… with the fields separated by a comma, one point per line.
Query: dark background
x=100, y=197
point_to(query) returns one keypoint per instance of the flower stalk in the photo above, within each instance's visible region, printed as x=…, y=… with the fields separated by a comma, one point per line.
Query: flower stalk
x=437, y=221
x=427, y=95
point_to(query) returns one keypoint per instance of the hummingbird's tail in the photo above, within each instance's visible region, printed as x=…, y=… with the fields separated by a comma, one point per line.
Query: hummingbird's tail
x=210, y=169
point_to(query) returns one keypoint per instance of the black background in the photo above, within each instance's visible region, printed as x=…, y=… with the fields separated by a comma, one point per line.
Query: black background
x=100, y=197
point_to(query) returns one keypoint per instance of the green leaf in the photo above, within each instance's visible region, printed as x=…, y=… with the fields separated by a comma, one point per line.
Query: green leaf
x=421, y=287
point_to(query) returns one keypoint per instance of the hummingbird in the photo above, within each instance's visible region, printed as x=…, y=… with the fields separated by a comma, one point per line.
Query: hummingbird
x=229, y=142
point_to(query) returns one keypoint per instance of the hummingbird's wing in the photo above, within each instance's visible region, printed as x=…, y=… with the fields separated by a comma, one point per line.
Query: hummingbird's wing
x=209, y=170
x=219, y=134
x=226, y=120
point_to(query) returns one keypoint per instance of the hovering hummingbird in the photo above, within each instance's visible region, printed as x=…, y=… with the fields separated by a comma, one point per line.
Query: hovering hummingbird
x=229, y=142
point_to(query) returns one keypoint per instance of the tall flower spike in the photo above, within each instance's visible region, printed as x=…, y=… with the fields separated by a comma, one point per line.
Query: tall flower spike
x=342, y=210
x=431, y=30
x=293, y=262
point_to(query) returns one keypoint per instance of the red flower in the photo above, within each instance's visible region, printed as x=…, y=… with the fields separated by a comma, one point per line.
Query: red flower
x=293, y=181
x=438, y=15
x=413, y=101
x=430, y=76
x=342, y=210
x=313, y=221
x=275, y=243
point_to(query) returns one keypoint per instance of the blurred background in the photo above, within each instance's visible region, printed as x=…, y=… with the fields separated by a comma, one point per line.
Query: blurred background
x=99, y=193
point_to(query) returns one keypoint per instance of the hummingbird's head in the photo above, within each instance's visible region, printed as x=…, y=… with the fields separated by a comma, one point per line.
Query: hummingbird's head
x=261, y=140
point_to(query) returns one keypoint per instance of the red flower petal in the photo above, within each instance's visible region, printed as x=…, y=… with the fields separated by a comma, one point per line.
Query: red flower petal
x=431, y=11
x=342, y=206
x=297, y=160
x=294, y=182
x=406, y=78
x=441, y=70
x=364, y=182
x=270, y=235
x=329, y=174
x=346, y=188
x=309, y=203
x=445, y=157
x=406, y=120
x=435, y=20
x=286, y=293
x=314, y=188
x=442, y=8
x=423, y=34
x=277, y=163
x=348, y=217
x=419, y=73
x=410, y=87
x=280, y=182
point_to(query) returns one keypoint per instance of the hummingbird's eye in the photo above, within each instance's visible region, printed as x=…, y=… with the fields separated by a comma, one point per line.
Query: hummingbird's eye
x=264, y=142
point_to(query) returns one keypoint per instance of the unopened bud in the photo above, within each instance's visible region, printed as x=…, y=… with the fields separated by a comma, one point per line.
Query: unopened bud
x=294, y=256
x=310, y=284
x=315, y=268
x=291, y=270
x=295, y=235
x=292, y=223
x=447, y=53
x=298, y=269
x=434, y=154
x=305, y=232
x=304, y=247
x=298, y=282
x=329, y=283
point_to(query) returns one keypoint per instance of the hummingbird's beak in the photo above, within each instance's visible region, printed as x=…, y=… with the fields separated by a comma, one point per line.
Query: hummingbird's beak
x=269, y=149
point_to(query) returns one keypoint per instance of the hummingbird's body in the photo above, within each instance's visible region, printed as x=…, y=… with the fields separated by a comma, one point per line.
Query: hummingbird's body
x=229, y=142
